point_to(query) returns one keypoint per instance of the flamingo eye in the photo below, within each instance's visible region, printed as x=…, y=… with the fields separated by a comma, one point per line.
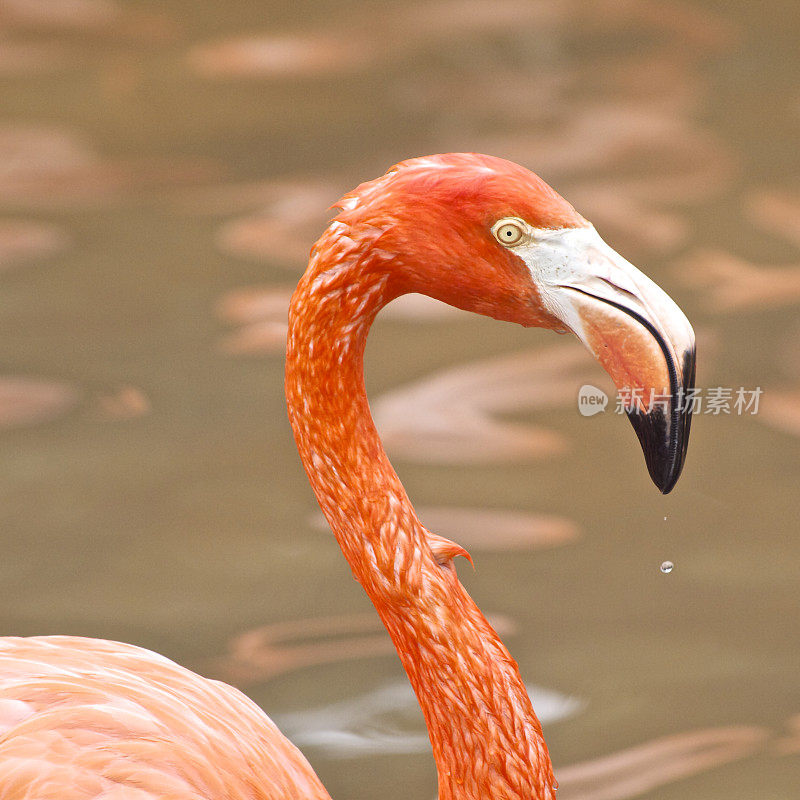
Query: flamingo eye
x=509, y=231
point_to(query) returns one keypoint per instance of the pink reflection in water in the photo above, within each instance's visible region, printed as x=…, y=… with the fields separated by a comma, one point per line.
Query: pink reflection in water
x=777, y=212
x=114, y=20
x=267, y=337
x=28, y=401
x=261, y=314
x=451, y=417
x=262, y=653
x=781, y=410
x=490, y=529
x=286, y=56
x=45, y=167
x=255, y=304
x=633, y=772
x=285, y=229
x=23, y=240
x=493, y=530
x=58, y=13
x=498, y=529
x=126, y=402
x=232, y=198
x=734, y=284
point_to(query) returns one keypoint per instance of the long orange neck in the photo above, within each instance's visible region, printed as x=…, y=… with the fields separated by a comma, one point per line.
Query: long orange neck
x=486, y=739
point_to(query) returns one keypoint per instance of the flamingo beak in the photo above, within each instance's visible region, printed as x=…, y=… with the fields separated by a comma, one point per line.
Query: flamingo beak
x=636, y=331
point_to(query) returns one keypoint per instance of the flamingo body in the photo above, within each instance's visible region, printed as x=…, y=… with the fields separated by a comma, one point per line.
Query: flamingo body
x=91, y=719
x=87, y=718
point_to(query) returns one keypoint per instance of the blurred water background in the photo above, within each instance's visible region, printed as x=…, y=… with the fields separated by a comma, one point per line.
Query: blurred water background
x=164, y=168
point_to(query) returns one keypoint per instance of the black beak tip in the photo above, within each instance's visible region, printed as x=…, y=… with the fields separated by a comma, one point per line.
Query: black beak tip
x=664, y=433
x=664, y=461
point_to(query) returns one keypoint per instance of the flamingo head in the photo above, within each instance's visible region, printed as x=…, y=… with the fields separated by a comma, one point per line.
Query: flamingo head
x=487, y=235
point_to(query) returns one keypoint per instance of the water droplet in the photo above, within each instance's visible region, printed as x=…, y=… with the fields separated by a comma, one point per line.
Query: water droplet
x=667, y=567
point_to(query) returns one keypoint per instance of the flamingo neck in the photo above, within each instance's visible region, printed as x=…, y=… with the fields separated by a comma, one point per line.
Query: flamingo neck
x=487, y=741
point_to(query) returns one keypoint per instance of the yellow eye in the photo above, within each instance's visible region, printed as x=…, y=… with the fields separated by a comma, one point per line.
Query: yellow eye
x=509, y=232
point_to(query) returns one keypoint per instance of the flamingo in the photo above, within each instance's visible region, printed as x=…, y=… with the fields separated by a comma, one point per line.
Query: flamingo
x=83, y=718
